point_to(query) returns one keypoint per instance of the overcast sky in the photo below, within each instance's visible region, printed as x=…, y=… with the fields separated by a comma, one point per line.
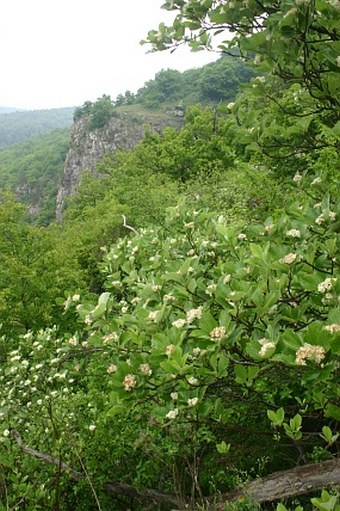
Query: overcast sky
x=57, y=53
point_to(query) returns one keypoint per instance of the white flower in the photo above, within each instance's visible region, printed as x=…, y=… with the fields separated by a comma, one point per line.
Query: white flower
x=169, y=298
x=297, y=178
x=179, y=323
x=326, y=285
x=268, y=228
x=172, y=414
x=190, y=225
x=196, y=352
x=266, y=345
x=112, y=369
x=145, y=369
x=308, y=351
x=5, y=432
x=113, y=336
x=75, y=298
x=193, y=314
x=288, y=259
x=294, y=233
x=88, y=319
x=210, y=289
x=174, y=396
x=192, y=380
x=129, y=382
x=320, y=219
x=242, y=236
x=332, y=215
x=73, y=341
x=218, y=333
x=136, y=299
x=169, y=349
x=156, y=287
x=193, y=401
x=230, y=105
x=92, y=427
x=334, y=328
x=152, y=315
x=226, y=279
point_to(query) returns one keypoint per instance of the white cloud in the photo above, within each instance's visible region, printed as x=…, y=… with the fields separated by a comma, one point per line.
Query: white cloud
x=63, y=52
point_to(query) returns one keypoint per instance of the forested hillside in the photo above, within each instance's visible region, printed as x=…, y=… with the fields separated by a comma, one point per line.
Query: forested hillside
x=173, y=343
x=15, y=127
x=33, y=170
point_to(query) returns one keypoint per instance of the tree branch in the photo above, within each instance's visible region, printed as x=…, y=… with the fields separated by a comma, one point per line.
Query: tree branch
x=47, y=458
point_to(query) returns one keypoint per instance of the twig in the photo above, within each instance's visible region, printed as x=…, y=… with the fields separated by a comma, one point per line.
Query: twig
x=129, y=226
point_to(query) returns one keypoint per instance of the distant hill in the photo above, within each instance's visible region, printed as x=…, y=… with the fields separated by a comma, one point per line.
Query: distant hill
x=8, y=110
x=18, y=126
x=33, y=171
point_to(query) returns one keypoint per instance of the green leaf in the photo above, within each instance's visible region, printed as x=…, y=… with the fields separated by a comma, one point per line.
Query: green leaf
x=222, y=447
x=332, y=411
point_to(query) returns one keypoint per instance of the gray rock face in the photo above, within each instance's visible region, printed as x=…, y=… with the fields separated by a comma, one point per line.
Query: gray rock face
x=89, y=147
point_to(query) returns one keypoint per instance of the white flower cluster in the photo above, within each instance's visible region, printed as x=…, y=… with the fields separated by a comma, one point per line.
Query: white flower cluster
x=308, y=351
x=218, y=333
x=266, y=345
x=153, y=315
x=326, y=285
x=334, y=328
x=322, y=218
x=169, y=349
x=288, y=259
x=172, y=414
x=145, y=369
x=179, y=323
x=193, y=314
x=294, y=233
x=129, y=382
x=112, y=368
x=193, y=401
x=113, y=336
x=297, y=178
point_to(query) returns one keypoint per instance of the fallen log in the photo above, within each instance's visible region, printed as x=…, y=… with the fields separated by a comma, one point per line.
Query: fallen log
x=279, y=485
x=285, y=484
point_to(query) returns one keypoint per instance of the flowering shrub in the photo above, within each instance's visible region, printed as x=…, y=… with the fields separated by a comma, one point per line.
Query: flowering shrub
x=200, y=331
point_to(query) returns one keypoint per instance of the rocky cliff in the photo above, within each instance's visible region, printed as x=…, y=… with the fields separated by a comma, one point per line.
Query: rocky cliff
x=123, y=131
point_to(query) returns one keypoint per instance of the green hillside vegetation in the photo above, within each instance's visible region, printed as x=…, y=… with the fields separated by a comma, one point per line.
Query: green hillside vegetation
x=213, y=83
x=174, y=343
x=15, y=127
x=33, y=170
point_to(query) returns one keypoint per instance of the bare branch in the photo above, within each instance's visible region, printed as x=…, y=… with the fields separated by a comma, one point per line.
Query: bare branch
x=47, y=458
x=129, y=226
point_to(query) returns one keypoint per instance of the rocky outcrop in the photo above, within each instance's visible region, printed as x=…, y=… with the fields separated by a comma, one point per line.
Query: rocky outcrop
x=89, y=147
